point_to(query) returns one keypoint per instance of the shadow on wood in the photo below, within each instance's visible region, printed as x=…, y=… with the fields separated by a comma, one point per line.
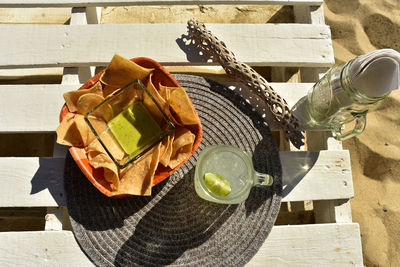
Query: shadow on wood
x=192, y=51
x=49, y=176
x=299, y=167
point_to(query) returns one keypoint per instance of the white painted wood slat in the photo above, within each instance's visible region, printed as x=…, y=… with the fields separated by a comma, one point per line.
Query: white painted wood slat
x=300, y=245
x=38, y=107
x=80, y=3
x=309, y=175
x=54, y=219
x=38, y=182
x=311, y=245
x=42, y=114
x=44, y=248
x=94, y=45
x=32, y=182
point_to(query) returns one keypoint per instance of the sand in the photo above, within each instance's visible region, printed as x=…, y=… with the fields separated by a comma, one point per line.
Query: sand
x=358, y=27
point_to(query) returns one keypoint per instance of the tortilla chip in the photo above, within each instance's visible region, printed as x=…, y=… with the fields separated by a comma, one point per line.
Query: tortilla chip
x=84, y=130
x=164, y=92
x=74, y=131
x=122, y=71
x=137, y=178
x=108, y=89
x=102, y=160
x=109, y=141
x=181, y=146
x=166, y=155
x=104, y=112
x=126, y=98
x=175, y=118
x=164, y=145
x=89, y=101
x=111, y=176
x=154, y=92
x=151, y=106
x=71, y=98
x=115, y=149
x=98, y=158
x=98, y=124
x=181, y=105
x=67, y=132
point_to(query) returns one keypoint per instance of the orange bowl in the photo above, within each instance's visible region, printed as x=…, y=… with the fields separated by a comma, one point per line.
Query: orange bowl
x=95, y=176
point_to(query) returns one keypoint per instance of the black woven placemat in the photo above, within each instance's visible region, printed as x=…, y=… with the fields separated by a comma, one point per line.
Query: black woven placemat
x=174, y=226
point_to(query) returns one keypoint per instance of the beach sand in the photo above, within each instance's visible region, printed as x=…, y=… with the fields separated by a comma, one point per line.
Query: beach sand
x=358, y=27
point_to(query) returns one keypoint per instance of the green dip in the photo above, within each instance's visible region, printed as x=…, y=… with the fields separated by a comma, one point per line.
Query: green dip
x=134, y=128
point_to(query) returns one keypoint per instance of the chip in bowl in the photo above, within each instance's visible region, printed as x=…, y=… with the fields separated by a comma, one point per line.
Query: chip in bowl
x=134, y=132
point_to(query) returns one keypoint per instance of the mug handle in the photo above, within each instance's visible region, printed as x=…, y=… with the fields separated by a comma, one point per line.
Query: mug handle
x=262, y=179
x=360, y=123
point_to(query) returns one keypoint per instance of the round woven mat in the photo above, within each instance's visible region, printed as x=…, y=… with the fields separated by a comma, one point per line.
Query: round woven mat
x=174, y=226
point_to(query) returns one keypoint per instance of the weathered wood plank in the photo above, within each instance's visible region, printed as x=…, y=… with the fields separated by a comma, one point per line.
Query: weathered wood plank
x=54, y=219
x=39, y=105
x=311, y=245
x=31, y=107
x=299, y=245
x=316, y=175
x=80, y=3
x=34, y=15
x=81, y=16
x=94, y=45
x=45, y=248
x=33, y=182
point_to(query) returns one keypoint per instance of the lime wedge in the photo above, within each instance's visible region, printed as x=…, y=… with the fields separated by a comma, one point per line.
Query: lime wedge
x=217, y=184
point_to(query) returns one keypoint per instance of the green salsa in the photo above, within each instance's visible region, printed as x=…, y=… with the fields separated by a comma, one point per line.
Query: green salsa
x=134, y=128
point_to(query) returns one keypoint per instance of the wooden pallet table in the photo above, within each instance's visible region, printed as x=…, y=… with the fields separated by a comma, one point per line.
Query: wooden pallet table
x=316, y=178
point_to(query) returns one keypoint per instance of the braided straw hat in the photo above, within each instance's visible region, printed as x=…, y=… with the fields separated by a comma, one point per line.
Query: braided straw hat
x=174, y=226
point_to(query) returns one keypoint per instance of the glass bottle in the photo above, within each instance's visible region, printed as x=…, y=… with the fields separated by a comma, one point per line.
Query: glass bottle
x=334, y=101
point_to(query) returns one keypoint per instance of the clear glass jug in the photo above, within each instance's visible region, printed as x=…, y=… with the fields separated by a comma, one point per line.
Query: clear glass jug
x=334, y=101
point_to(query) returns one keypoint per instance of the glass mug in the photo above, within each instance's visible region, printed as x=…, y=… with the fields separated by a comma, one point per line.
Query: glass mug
x=334, y=101
x=235, y=166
